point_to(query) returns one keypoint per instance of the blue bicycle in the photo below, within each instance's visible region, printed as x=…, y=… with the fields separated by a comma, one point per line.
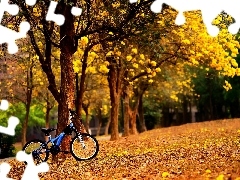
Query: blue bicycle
x=82, y=147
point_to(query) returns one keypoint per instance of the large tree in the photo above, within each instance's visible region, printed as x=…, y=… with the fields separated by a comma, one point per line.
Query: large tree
x=64, y=39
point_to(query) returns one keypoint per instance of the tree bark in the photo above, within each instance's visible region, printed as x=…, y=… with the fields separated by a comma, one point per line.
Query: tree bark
x=133, y=121
x=48, y=109
x=126, y=112
x=141, y=115
x=80, y=90
x=133, y=113
x=114, y=117
x=85, y=108
x=107, y=126
x=185, y=111
x=67, y=46
x=114, y=81
x=28, y=103
x=99, y=116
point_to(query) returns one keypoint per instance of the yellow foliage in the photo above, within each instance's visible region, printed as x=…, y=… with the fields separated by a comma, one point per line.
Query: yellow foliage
x=134, y=51
x=103, y=69
x=84, y=41
x=220, y=177
x=158, y=69
x=153, y=63
x=110, y=53
x=165, y=174
x=135, y=65
x=129, y=58
x=227, y=85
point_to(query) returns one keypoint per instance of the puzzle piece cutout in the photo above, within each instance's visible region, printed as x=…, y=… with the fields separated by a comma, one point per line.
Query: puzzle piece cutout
x=132, y=1
x=31, y=2
x=210, y=10
x=7, y=35
x=4, y=170
x=76, y=11
x=12, y=121
x=59, y=19
x=4, y=105
x=31, y=170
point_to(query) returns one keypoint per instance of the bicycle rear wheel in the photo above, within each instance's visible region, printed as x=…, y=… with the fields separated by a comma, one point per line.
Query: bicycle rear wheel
x=38, y=150
x=85, y=150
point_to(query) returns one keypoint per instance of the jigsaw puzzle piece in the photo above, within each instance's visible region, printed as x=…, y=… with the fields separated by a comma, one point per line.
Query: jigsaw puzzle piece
x=208, y=15
x=4, y=170
x=12, y=9
x=208, y=12
x=180, y=6
x=31, y=2
x=9, y=36
x=59, y=19
x=31, y=170
x=4, y=105
x=232, y=9
x=132, y=1
x=76, y=11
x=12, y=123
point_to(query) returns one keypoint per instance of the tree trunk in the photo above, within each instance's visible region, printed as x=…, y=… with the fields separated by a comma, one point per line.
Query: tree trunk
x=114, y=81
x=28, y=104
x=47, y=117
x=87, y=123
x=185, y=110
x=141, y=115
x=107, y=126
x=85, y=108
x=48, y=109
x=99, y=116
x=66, y=99
x=25, y=124
x=133, y=121
x=126, y=112
x=114, y=117
x=133, y=114
x=80, y=92
x=80, y=89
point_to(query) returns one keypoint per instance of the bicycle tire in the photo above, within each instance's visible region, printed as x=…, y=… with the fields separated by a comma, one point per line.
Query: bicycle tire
x=35, y=141
x=92, y=139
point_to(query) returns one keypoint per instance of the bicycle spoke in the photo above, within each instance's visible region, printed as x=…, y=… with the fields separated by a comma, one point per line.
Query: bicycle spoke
x=84, y=148
x=39, y=153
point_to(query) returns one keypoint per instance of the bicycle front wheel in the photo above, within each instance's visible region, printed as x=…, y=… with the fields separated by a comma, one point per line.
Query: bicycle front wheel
x=85, y=149
x=39, y=152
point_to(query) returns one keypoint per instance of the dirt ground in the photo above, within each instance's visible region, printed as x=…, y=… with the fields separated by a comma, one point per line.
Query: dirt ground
x=208, y=150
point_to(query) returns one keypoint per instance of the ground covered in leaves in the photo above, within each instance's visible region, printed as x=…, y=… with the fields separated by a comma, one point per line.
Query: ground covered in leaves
x=209, y=150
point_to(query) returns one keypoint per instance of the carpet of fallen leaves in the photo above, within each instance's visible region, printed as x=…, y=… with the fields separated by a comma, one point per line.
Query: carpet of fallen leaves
x=208, y=150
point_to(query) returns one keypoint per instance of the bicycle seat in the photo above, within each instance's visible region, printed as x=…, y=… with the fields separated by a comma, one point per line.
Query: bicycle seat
x=47, y=131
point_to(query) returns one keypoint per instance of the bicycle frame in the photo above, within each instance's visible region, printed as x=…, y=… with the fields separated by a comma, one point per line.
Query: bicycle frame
x=58, y=140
